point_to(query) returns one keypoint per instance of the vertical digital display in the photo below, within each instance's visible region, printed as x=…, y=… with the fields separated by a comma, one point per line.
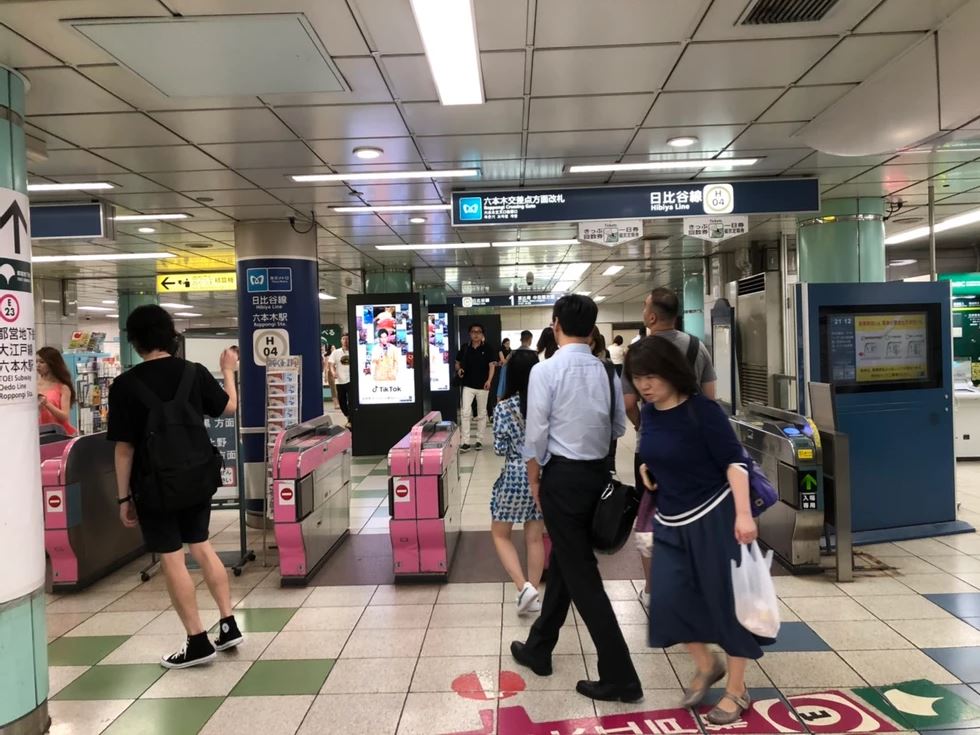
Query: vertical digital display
x=439, y=368
x=385, y=354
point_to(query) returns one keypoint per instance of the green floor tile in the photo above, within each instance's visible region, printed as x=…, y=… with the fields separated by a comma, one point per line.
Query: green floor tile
x=83, y=650
x=165, y=716
x=380, y=472
x=465, y=470
x=279, y=678
x=126, y=681
x=366, y=460
x=261, y=619
x=369, y=494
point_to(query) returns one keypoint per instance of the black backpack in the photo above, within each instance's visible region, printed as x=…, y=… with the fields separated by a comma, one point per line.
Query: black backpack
x=178, y=466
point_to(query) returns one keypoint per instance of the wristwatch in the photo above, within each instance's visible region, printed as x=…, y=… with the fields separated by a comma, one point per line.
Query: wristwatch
x=124, y=500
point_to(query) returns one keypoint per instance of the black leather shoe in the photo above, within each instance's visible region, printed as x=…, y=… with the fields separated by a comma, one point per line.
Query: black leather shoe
x=521, y=656
x=610, y=692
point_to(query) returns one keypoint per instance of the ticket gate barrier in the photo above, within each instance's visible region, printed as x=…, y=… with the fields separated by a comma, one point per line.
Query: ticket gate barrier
x=311, y=465
x=83, y=537
x=787, y=448
x=425, y=500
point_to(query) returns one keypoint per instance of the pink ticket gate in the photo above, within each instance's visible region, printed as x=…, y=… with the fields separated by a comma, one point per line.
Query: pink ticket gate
x=83, y=537
x=425, y=500
x=311, y=496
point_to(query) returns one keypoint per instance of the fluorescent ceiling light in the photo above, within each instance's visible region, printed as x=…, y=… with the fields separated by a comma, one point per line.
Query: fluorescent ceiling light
x=93, y=308
x=682, y=141
x=449, y=173
x=146, y=230
x=597, y=299
x=187, y=313
x=613, y=270
x=575, y=271
x=395, y=208
x=435, y=246
x=368, y=152
x=533, y=243
x=448, y=31
x=663, y=165
x=171, y=305
x=916, y=233
x=108, y=301
x=326, y=297
x=90, y=186
x=417, y=220
x=904, y=262
x=112, y=316
x=150, y=217
x=584, y=293
x=563, y=287
x=50, y=301
x=107, y=256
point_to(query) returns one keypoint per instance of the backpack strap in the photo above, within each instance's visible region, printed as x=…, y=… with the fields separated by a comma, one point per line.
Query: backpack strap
x=183, y=393
x=693, y=350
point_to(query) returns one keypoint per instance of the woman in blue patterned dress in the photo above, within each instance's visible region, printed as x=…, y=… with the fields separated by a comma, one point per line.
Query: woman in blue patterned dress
x=511, y=501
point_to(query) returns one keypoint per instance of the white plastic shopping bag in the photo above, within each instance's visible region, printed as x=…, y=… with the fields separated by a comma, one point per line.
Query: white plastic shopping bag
x=756, y=606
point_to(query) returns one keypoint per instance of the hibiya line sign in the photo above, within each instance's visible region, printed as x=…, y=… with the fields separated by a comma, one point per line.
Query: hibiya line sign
x=655, y=201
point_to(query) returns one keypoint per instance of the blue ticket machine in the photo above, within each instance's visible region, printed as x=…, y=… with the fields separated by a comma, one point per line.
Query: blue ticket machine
x=885, y=348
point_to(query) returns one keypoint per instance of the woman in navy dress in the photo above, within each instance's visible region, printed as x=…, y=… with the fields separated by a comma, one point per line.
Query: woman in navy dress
x=695, y=463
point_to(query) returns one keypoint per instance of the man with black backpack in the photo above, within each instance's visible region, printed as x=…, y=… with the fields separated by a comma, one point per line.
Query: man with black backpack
x=661, y=309
x=167, y=470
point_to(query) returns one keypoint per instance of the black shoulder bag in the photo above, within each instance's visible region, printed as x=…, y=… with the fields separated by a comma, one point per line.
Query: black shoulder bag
x=615, y=513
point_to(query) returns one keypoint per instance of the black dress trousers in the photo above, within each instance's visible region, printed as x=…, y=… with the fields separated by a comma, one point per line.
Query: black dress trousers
x=570, y=491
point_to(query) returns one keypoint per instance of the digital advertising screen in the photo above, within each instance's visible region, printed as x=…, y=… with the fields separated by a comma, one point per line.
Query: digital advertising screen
x=866, y=349
x=385, y=353
x=439, y=368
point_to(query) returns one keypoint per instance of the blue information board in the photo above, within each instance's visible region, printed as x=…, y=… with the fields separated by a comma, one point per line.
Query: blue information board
x=67, y=221
x=649, y=201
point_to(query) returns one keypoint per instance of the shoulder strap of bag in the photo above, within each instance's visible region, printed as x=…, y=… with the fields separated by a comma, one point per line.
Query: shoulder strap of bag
x=693, y=350
x=611, y=457
x=183, y=393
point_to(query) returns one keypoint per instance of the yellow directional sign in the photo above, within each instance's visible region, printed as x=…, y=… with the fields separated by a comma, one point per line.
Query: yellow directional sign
x=197, y=282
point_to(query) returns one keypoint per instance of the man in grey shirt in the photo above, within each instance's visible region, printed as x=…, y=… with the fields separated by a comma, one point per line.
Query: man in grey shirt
x=660, y=310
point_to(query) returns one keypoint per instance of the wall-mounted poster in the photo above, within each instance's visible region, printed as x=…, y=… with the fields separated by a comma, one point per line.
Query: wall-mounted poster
x=385, y=354
x=439, y=351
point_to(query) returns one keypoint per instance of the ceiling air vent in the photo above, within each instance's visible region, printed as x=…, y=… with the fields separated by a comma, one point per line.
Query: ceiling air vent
x=768, y=12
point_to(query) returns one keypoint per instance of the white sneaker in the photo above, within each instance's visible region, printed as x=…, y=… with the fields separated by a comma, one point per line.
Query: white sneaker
x=525, y=598
x=645, y=601
x=535, y=607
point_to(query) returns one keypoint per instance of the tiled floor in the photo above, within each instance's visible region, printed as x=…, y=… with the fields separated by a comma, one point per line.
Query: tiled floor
x=434, y=659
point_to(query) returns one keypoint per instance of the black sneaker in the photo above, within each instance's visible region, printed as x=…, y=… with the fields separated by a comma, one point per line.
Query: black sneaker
x=479, y=446
x=197, y=649
x=229, y=635
x=464, y=447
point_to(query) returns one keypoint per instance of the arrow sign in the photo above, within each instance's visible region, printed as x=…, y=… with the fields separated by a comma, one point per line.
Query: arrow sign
x=166, y=283
x=14, y=213
x=809, y=482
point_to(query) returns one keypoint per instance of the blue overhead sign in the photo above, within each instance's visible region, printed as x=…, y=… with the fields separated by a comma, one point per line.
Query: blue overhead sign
x=653, y=201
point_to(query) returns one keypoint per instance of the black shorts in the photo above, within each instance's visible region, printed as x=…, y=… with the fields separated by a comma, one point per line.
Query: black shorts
x=166, y=532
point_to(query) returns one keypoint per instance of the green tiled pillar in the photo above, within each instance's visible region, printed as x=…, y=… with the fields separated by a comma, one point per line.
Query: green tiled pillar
x=845, y=243
x=128, y=302
x=693, y=304
x=23, y=638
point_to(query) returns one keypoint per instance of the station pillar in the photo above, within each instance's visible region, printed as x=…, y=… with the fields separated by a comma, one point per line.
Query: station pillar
x=845, y=243
x=278, y=315
x=126, y=302
x=23, y=636
x=693, y=304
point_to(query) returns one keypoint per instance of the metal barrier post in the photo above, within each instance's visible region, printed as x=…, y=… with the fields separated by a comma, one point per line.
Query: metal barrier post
x=842, y=508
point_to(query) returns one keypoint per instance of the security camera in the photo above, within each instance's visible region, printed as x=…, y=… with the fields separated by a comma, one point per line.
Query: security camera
x=530, y=278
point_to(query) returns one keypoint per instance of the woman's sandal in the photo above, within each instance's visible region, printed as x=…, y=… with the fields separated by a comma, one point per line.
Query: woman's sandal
x=718, y=716
x=701, y=684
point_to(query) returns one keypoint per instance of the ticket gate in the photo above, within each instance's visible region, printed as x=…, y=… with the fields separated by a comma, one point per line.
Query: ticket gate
x=83, y=537
x=425, y=500
x=787, y=448
x=311, y=496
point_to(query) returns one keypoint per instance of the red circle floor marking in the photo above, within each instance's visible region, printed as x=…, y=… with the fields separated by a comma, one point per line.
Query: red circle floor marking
x=473, y=685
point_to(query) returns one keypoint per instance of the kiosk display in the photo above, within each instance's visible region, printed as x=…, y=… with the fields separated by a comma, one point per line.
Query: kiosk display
x=439, y=362
x=385, y=352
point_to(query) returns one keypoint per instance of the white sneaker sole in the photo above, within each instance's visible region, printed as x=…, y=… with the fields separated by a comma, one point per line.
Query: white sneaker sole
x=186, y=665
x=229, y=644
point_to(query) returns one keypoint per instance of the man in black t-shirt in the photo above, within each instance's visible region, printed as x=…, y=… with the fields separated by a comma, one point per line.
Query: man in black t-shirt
x=475, y=365
x=151, y=331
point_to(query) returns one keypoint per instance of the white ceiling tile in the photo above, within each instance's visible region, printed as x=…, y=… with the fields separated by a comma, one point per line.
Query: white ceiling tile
x=470, y=148
x=17, y=52
x=262, y=211
x=591, y=23
x=824, y=160
x=588, y=113
x=909, y=15
x=412, y=191
x=711, y=139
x=967, y=171
x=144, y=96
x=263, y=155
x=722, y=22
x=73, y=161
x=903, y=172
x=64, y=90
x=212, y=180
x=362, y=75
x=500, y=24
x=769, y=158
x=828, y=176
x=107, y=129
x=503, y=74
x=52, y=142
x=496, y=116
x=601, y=70
x=805, y=103
x=411, y=79
x=768, y=135
x=857, y=57
x=344, y=121
x=735, y=64
x=719, y=107
x=233, y=197
x=390, y=25
x=155, y=200
x=226, y=125
x=161, y=158
x=945, y=155
x=341, y=151
x=579, y=143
